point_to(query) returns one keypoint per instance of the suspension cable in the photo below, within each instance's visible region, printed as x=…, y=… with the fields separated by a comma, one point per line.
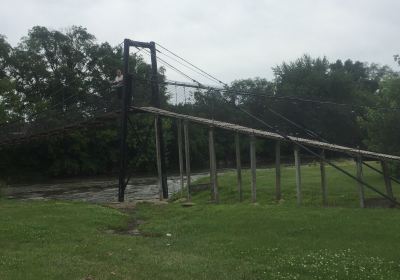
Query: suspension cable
x=306, y=148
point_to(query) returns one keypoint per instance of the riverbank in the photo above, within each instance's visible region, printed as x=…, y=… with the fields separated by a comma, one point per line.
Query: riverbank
x=231, y=240
x=95, y=190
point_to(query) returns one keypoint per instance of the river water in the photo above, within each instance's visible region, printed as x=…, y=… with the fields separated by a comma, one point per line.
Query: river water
x=97, y=190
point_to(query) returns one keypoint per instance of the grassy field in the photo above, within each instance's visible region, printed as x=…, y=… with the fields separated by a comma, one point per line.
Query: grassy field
x=342, y=190
x=267, y=240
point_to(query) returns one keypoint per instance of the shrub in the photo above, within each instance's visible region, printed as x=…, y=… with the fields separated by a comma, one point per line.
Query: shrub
x=2, y=186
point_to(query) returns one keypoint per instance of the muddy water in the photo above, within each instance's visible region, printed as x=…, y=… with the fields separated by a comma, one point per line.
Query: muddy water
x=98, y=190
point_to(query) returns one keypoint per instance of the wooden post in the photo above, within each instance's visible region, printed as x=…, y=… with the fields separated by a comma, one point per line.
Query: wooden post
x=388, y=181
x=155, y=101
x=360, y=185
x=187, y=157
x=126, y=102
x=213, y=165
x=238, y=166
x=278, y=194
x=180, y=154
x=323, y=179
x=253, y=168
x=158, y=154
x=298, y=174
x=210, y=156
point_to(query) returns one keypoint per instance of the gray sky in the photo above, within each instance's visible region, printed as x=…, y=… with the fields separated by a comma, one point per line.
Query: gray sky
x=230, y=39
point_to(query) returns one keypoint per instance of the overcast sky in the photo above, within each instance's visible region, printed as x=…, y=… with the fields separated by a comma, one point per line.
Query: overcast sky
x=231, y=39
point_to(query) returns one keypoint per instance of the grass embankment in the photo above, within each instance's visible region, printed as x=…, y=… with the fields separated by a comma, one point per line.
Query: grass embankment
x=65, y=240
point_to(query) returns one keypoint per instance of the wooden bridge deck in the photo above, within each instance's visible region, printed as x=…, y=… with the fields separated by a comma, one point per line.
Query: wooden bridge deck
x=266, y=134
x=208, y=122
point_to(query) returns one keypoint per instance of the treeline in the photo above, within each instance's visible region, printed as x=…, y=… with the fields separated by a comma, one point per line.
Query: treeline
x=344, y=102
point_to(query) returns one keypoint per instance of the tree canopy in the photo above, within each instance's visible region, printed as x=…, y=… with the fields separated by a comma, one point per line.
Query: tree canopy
x=68, y=73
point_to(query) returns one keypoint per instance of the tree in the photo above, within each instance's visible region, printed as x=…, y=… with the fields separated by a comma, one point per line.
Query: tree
x=397, y=58
x=382, y=125
x=348, y=82
x=62, y=77
x=9, y=103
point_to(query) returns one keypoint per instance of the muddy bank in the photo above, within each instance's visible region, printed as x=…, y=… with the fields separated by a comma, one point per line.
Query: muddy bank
x=97, y=190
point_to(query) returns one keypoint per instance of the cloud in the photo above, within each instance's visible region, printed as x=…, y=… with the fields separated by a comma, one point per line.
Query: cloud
x=232, y=39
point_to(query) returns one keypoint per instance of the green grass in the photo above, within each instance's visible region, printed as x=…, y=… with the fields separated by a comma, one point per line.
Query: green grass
x=342, y=190
x=268, y=240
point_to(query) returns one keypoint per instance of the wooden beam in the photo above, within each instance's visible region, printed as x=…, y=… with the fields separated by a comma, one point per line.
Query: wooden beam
x=187, y=157
x=388, y=181
x=323, y=179
x=278, y=193
x=180, y=154
x=268, y=134
x=238, y=166
x=361, y=191
x=158, y=155
x=210, y=158
x=298, y=174
x=213, y=165
x=253, y=168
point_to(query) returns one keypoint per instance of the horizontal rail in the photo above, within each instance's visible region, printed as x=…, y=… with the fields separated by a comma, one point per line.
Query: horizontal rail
x=267, y=134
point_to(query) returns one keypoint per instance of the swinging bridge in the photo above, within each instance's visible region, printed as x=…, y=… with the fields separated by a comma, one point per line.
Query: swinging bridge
x=14, y=134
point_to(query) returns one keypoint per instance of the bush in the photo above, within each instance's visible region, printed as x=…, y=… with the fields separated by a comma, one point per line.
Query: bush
x=2, y=186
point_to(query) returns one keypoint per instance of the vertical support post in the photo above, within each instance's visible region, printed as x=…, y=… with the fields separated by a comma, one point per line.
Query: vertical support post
x=323, y=179
x=155, y=98
x=360, y=185
x=238, y=166
x=298, y=174
x=253, y=168
x=187, y=157
x=180, y=153
x=278, y=193
x=127, y=91
x=213, y=165
x=158, y=154
x=388, y=181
